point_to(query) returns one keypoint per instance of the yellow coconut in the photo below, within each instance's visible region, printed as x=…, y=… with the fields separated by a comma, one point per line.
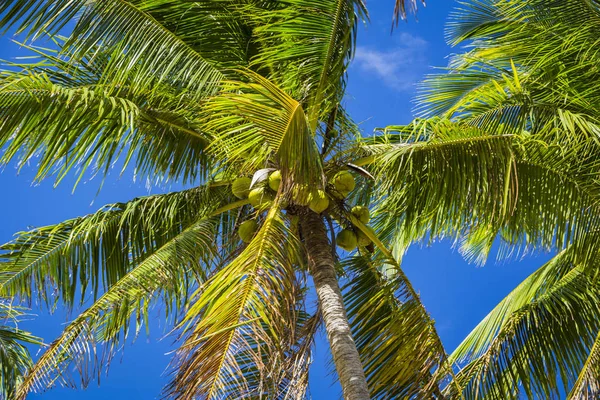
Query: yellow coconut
x=241, y=187
x=347, y=240
x=275, y=180
x=260, y=196
x=344, y=182
x=362, y=213
x=363, y=239
x=247, y=230
x=318, y=201
x=301, y=194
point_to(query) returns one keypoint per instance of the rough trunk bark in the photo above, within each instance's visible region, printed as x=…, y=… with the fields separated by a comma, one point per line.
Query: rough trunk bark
x=322, y=268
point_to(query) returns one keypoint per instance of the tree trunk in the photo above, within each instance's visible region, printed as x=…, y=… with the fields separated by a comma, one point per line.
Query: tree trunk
x=322, y=268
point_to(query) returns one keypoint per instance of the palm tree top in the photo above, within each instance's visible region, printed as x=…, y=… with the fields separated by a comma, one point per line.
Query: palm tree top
x=206, y=93
x=243, y=99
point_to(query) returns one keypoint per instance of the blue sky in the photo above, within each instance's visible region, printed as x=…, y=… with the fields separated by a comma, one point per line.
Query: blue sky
x=380, y=92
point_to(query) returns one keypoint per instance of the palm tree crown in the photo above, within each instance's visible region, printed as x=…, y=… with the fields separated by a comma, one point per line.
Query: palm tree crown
x=243, y=99
x=198, y=92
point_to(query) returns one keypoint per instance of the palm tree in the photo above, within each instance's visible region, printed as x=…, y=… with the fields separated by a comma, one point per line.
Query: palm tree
x=201, y=92
x=518, y=114
x=14, y=356
x=242, y=100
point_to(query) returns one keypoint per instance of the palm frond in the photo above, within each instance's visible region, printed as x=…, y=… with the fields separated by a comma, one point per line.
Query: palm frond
x=587, y=385
x=541, y=346
x=157, y=54
x=529, y=72
x=494, y=184
x=240, y=330
x=307, y=45
x=98, y=250
x=294, y=383
x=219, y=30
x=252, y=122
x=64, y=117
x=499, y=96
x=554, y=48
x=107, y=321
x=531, y=288
x=495, y=20
x=467, y=169
x=399, y=347
x=14, y=356
x=401, y=8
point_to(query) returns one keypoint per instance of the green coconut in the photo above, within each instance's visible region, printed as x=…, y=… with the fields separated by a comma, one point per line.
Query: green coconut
x=301, y=194
x=241, y=187
x=318, y=201
x=347, y=240
x=363, y=239
x=275, y=180
x=344, y=182
x=260, y=196
x=247, y=230
x=362, y=213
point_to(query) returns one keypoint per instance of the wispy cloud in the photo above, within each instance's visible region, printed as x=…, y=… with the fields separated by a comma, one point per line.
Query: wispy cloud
x=400, y=67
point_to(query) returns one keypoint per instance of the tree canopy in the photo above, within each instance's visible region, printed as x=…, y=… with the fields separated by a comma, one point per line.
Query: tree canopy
x=208, y=92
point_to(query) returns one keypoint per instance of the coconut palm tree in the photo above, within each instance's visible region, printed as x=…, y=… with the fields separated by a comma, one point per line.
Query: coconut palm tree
x=521, y=112
x=200, y=92
x=14, y=356
x=242, y=101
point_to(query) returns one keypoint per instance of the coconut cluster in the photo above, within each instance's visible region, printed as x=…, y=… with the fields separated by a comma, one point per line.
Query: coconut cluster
x=351, y=238
x=263, y=193
x=260, y=195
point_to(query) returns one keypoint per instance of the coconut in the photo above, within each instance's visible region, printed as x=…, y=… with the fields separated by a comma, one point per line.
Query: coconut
x=347, y=240
x=363, y=239
x=259, y=197
x=247, y=230
x=301, y=194
x=241, y=187
x=362, y=213
x=318, y=201
x=344, y=182
x=275, y=180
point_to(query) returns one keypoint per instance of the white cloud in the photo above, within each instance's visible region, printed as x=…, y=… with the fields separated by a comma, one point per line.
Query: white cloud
x=400, y=67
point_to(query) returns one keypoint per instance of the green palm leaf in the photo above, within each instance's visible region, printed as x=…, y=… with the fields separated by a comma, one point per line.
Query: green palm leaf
x=63, y=115
x=558, y=324
x=14, y=356
x=587, y=385
x=148, y=251
x=253, y=121
x=530, y=72
x=163, y=272
x=157, y=53
x=241, y=317
x=219, y=30
x=446, y=179
x=315, y=58
x=100, y=249
x=398, y=344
